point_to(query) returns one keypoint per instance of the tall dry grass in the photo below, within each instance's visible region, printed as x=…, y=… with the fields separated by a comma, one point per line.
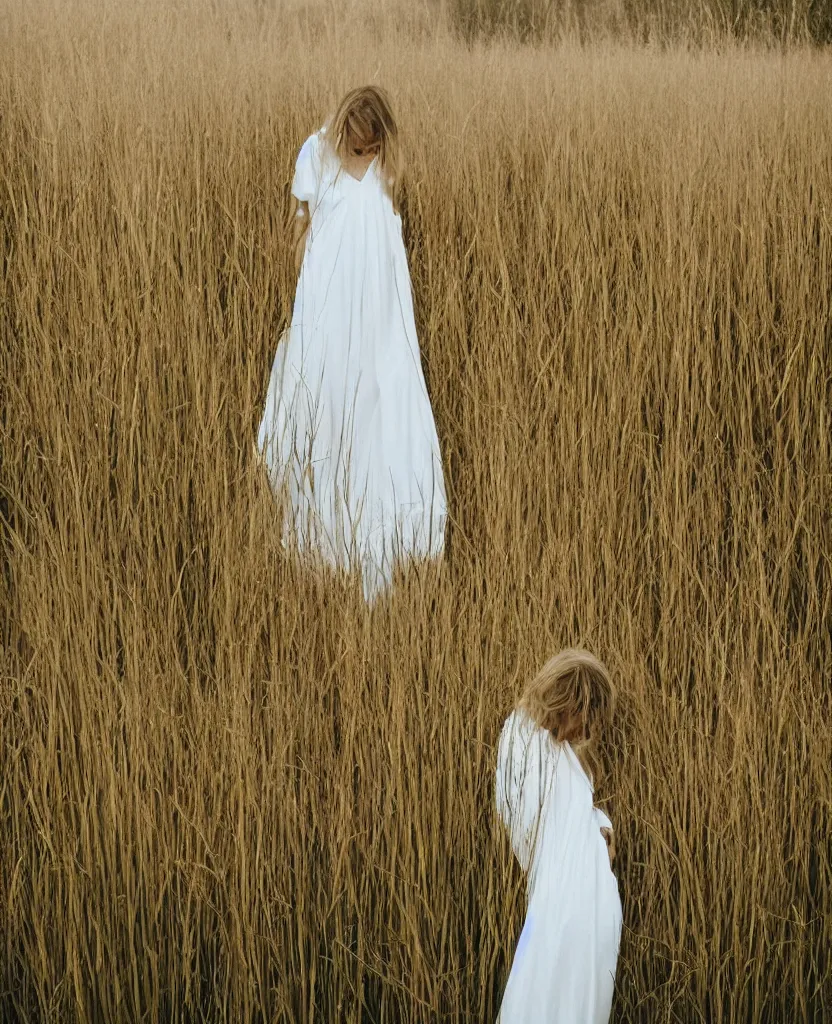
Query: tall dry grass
x=229, y=791
x=659, y=22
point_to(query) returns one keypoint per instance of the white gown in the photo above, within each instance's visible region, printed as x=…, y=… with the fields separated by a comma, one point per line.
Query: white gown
x=348, y=427
x=564, y=966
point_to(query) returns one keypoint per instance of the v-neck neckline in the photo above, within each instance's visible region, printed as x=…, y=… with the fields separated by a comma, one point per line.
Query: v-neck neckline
x=577, y=763
x=359, y=181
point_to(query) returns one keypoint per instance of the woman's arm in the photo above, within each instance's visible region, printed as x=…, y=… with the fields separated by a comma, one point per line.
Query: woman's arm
x=300, y=227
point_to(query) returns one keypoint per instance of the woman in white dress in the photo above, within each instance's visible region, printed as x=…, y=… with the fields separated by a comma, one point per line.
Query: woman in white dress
x=348, y=434
x=564, y=966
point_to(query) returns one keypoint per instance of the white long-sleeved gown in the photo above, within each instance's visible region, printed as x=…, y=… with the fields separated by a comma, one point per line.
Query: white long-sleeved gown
x=564, y=965
x=348, y=427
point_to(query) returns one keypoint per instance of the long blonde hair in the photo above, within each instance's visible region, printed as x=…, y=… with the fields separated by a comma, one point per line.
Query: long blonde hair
x=365, y=117
x=572, y=683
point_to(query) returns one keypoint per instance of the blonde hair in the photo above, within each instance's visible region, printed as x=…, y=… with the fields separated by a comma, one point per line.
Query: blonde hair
x=365, y=117
x=572, y=683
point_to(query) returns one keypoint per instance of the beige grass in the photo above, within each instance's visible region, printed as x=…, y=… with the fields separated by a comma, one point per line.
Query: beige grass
x=229, y=792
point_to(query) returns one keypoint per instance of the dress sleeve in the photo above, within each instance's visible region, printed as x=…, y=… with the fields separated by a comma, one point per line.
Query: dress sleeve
x=307, y=170
x=525, y=773
x=602, y=819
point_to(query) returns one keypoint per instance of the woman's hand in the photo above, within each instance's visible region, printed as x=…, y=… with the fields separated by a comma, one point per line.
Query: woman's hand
x=608, y=835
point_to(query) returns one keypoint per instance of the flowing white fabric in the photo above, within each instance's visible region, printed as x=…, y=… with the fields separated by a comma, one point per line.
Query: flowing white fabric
x=348, y=427
x=564, y=966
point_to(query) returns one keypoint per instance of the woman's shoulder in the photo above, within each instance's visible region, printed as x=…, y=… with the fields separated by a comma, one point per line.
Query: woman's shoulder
x=312, y=165
x=312, y=144
x=520, y=727
x=518, y=718
x=521, y=736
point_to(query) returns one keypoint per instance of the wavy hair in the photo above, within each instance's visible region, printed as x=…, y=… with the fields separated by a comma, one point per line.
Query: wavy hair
x=572, y=683
x=365, y=118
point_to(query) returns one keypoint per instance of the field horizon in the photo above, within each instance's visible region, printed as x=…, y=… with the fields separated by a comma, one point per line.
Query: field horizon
x=229, y=789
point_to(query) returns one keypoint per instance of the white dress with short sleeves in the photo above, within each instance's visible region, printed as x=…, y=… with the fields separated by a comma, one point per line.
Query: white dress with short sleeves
x=564, y=966
x=348, y=428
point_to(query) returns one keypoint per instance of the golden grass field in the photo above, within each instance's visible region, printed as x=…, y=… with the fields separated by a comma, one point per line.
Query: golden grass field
x=227, y=790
